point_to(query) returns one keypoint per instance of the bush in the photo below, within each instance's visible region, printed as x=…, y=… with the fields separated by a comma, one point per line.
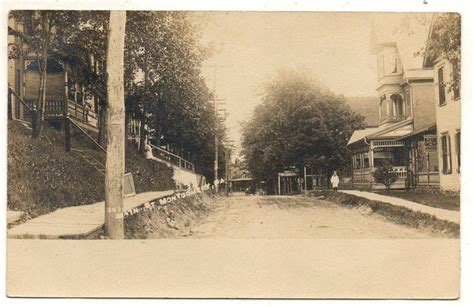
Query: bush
x=384, y=174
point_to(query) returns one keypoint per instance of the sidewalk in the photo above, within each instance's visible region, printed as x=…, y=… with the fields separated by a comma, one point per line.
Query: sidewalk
x=77, y=221
x=448, y=215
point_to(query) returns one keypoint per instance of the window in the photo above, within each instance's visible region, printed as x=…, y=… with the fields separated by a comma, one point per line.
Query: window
x=441, y=87
x=394, y=63
x=446, y=153
x=457, y=139
x=456, y=89
x=408, y=102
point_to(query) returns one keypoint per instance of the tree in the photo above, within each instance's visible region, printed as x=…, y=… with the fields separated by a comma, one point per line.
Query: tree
x=385, y=175
x=298, y=123
x=165, y=87
x=115, y=161
x=44, y=35
x=444, y=40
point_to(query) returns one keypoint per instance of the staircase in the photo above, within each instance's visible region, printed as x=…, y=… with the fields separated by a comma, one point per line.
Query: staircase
x=99, y=166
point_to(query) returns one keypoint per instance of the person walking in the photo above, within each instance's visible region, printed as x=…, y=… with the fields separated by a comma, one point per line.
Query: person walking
x=334, y=181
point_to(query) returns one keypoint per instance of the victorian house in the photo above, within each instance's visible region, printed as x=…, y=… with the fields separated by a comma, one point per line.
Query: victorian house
x=405, y=136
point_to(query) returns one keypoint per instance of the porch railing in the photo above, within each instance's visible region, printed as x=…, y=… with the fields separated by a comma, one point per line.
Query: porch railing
x=172, y=158
x=366, y=174
x=57, y=108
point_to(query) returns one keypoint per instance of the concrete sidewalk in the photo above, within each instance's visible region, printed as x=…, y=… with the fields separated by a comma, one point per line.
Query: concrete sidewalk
x=77, y=221
x=448, y=215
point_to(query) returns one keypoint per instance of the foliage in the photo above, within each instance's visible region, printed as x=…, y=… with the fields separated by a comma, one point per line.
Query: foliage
x=299, y=122
x=165, y=87
x=41, y=40
x=163, y=80
x=385, y=175
x=444, y=41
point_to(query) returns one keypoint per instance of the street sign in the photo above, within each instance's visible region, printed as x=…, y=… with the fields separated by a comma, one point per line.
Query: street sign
x=430, y=142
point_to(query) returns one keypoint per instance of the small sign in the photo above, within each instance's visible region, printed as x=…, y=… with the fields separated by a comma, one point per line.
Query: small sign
x=128, y=185
x=430, y=142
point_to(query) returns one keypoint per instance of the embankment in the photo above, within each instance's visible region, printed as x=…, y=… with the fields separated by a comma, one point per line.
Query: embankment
x=396, y=214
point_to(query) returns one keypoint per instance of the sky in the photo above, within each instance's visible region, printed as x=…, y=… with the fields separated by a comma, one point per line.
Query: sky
x=252, y=46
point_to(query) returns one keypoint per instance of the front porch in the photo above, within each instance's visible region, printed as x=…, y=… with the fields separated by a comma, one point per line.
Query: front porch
x=374, y=154
x=61, y=109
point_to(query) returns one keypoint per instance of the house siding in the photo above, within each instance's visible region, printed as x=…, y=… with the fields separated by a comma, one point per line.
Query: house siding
x=424, y=107
x=448, y=117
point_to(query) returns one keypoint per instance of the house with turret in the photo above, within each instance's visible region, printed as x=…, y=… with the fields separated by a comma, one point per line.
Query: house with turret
x=405, y=137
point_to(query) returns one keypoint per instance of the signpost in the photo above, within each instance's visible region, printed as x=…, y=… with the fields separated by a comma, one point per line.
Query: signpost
x=430, y=142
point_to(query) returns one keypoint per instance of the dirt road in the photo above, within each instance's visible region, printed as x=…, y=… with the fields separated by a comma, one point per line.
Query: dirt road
x=296, y=217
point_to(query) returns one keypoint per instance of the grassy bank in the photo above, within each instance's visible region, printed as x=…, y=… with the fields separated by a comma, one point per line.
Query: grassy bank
x=396, y=214
x=42, y=177
x=173, y=220
x=432, y=198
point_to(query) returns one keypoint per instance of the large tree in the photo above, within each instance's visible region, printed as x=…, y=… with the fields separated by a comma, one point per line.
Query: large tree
x=298, y=123
x=165, y=87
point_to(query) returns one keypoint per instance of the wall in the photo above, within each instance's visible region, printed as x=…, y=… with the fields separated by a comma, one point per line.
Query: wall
x=448, y=119
x=54, y=85
x=424, y=105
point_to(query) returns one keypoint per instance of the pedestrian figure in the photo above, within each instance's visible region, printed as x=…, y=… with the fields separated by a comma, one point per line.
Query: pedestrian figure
x=335, y=181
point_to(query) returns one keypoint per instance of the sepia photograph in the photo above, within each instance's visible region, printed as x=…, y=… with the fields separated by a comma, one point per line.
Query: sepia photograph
x=233, y=154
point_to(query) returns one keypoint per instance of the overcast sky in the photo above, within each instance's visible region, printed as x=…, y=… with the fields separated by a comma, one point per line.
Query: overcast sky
x=334, y=47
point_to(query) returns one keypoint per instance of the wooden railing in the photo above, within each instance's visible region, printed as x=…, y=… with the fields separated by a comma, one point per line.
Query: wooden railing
x=55, y=108
x=28, y=105
x=172, y=158
x=366, y=174
x=363, y=175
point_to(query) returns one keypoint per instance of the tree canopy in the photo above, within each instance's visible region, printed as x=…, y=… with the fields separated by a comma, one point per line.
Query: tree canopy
x=298, y=123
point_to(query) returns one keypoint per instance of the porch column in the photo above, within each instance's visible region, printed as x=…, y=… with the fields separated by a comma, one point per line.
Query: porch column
x=371, y=160
x=371, y=155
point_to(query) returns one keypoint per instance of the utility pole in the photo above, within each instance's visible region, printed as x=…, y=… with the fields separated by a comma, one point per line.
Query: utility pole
x=216, y=136
x=227, y=172
x=115, y=159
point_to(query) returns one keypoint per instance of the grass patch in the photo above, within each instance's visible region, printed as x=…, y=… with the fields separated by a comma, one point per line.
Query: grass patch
x=432, y=198
x=396, y=214
x=42, y=177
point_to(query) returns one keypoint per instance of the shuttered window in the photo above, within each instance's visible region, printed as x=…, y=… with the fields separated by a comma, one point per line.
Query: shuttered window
x=446, y=153
x=441, y=87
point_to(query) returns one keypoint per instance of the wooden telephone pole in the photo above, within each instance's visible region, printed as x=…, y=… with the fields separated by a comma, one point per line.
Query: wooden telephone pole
x=115, y=162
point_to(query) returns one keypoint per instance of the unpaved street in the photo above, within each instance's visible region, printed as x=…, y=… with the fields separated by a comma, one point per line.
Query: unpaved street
x=281, y=217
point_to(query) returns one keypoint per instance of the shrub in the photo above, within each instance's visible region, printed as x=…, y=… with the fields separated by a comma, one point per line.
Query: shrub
x=384, y=174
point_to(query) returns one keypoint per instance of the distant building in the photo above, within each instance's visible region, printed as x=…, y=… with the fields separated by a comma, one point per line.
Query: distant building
x=406, y=109
x=448, y=118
